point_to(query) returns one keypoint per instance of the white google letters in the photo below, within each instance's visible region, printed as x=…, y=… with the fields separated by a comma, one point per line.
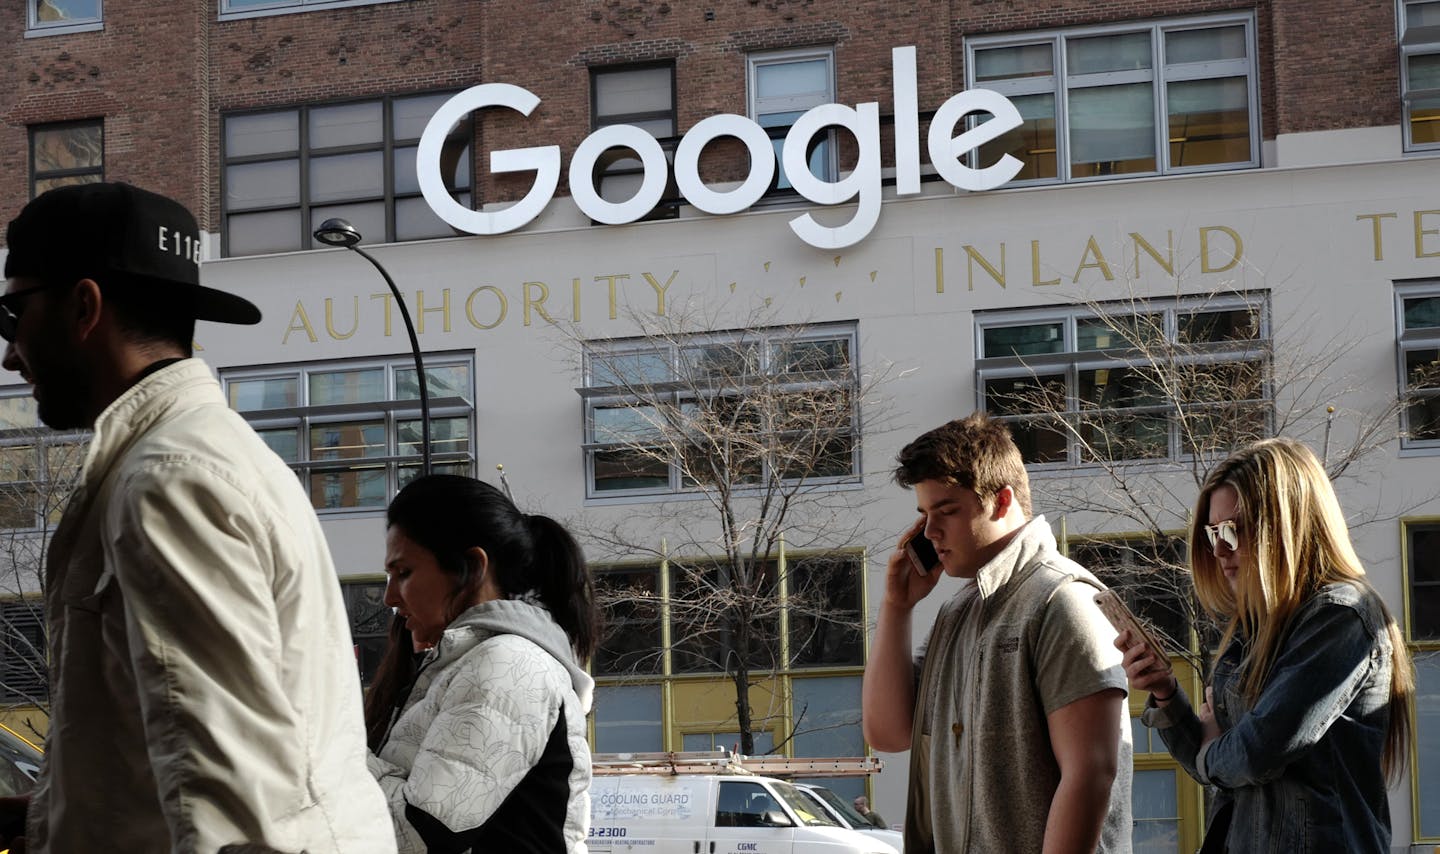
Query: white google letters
x=862, y=185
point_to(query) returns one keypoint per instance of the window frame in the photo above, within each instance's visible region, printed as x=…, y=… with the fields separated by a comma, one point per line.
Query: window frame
x=302, y=417
x=1072, y=361
x=304, y=155
x=289, y=7
x=1405, y=342
x=669, y=205
x=92, y=174
x=667, y=626
x=605, y=397
x=756, y=60
x=35, y=27
x=1423, y=647
x=1415, y=42
x=1058, y=84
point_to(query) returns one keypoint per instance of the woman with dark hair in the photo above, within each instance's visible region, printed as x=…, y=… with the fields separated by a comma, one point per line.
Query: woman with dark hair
x=486, y=750
x=1308, y=710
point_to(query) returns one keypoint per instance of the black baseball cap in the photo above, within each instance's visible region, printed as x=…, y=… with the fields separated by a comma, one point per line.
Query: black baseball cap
x=121, y=231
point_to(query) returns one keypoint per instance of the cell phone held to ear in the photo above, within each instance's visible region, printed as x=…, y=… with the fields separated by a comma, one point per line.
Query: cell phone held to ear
x=922, y=554
x=1122, y=619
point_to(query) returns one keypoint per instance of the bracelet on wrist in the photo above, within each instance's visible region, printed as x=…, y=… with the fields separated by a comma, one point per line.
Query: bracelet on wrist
x=1159, y=699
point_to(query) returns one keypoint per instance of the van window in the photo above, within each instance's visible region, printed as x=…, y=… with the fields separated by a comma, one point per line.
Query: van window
x=743, y=804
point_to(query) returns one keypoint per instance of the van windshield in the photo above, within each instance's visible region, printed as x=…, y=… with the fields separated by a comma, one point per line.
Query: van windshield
x=803, y=805
x=838, y=804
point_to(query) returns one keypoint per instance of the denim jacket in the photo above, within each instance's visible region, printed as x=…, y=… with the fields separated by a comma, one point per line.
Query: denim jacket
x=1302, y=766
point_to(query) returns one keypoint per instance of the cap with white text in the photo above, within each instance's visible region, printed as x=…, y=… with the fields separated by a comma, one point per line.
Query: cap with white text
x=144, y=238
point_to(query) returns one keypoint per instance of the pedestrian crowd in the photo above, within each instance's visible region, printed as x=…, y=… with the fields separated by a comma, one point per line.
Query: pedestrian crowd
x=204, y=694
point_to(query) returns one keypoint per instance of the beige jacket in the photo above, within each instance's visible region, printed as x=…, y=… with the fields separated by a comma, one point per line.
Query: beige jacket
x=203, y=681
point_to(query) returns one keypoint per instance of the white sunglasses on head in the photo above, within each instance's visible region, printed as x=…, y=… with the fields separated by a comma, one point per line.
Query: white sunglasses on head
x=1223, y=532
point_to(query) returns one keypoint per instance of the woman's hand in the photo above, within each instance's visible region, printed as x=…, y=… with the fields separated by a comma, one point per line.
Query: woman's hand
x=1209, y=728
x=1146, y=668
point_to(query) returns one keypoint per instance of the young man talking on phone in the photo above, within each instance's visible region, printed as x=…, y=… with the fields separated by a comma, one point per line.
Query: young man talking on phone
x=1014, y=710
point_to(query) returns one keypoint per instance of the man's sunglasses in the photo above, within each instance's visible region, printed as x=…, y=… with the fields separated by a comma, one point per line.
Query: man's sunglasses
x=11, y=306
x=1223, y=532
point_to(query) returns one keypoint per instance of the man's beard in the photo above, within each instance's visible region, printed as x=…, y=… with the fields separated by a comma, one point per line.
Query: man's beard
x=61, y=403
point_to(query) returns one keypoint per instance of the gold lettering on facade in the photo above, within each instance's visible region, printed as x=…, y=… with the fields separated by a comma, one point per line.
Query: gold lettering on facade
x=1421, y=231
x=330, y=320
x=973, y=257
x=299, y=320
x=1167, y=263
x=1035, y=267
x=612, y=279
x=1093, y=248
x=1237, y=250
x=444, y=309
x=1375, y=230
x=538, y=303
x=659, y=291
x=939, y=270
x=389, y=301
x=470, y=307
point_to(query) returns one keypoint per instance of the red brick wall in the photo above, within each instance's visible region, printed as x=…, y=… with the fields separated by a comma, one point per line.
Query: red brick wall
x=142, y=74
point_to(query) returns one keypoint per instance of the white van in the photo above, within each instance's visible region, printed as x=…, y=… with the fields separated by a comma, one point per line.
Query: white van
x=714, y=814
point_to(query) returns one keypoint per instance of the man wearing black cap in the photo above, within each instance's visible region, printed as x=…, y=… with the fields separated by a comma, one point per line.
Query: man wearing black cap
x=204, y=689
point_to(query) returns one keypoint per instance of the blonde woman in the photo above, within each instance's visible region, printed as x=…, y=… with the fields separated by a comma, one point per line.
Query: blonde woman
x=1307, y=715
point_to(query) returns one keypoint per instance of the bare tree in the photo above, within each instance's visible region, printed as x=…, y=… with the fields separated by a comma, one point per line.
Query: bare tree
x=751, y=438
x=39, y=471
x=1164, y=390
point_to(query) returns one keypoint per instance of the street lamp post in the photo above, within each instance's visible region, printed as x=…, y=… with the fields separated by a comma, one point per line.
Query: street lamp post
x=339, y=232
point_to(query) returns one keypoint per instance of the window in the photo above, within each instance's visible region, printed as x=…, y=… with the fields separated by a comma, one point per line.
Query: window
x=645, y=98
x=24, y=674
x=351, y=430
x=253, y=8
x=369, y=624
x=67, y=153
x=49, y=17
x=782, y=86
x=287, y=171
x=1422, y=570
x=1420, y=73
x=764, y=741
x=1133, y=99
x=1418, y=318
x=1421, y=549
x=672, y=416
x=710, y=606
x=628, y=719
x=821, y=600
x=38, y=467
x=1136, y=380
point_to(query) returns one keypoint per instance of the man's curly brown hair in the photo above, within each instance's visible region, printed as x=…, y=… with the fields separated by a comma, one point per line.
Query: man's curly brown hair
x=974, y=452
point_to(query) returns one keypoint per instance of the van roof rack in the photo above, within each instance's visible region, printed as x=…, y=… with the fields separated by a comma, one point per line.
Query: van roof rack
x=724, y=762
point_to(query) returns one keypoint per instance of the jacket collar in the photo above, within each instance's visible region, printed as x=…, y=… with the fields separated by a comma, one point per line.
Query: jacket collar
x=523, y=617
x=139, y=407
x=998, y=578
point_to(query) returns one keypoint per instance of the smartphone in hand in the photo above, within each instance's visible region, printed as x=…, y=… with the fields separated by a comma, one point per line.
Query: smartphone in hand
x=1122, y=619
x=922, y=553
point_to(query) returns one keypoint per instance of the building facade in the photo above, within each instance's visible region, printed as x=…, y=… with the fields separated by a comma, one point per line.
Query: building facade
x=1221, y=220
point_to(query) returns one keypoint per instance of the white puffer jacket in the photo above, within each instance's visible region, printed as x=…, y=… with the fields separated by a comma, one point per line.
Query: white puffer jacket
x=488, y=751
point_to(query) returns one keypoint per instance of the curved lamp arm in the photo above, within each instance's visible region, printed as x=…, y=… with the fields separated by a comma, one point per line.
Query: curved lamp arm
x=338, y=232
